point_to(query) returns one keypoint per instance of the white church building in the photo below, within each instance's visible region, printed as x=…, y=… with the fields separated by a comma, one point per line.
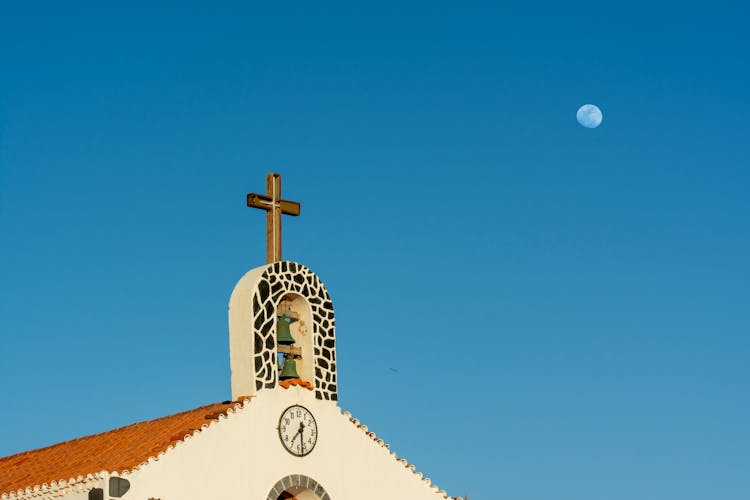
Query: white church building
x=282, y=436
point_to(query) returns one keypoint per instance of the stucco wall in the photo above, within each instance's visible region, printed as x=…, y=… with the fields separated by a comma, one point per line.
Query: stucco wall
x=241, y=458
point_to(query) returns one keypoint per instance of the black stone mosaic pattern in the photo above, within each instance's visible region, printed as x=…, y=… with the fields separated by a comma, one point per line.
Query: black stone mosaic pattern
x=278, y=280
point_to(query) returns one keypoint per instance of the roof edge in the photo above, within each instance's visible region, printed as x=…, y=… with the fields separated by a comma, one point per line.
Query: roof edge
x=428, y=482
x=60, y=487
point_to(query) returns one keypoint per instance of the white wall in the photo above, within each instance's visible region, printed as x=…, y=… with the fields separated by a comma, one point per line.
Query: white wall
x=240, y=334
x=241, y=458
x=77, y=496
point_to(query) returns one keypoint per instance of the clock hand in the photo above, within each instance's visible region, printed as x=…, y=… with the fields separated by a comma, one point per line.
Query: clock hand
x=302, y=437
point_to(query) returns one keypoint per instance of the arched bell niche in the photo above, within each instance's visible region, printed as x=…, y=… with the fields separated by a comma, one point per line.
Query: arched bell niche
x=295, y=309
x=299, y=487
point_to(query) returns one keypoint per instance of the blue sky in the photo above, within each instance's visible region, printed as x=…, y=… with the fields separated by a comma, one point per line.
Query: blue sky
x=566, y=309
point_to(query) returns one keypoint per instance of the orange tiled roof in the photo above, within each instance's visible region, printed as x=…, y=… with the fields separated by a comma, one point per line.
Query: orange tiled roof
x=116, y=450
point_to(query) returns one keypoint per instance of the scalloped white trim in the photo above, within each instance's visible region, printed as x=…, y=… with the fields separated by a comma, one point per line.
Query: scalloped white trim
x=402, y=461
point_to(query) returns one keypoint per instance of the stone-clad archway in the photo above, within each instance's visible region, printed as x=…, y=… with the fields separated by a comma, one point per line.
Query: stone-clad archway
x=279, y=279
x=297, y=486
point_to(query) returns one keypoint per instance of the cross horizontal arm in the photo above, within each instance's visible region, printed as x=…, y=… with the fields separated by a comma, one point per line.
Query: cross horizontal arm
x=266, y=203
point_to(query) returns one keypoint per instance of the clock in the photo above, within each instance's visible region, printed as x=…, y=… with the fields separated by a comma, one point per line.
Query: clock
x=298, y=430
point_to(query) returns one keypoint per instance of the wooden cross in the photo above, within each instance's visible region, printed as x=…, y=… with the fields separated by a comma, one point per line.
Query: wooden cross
x=274, y=206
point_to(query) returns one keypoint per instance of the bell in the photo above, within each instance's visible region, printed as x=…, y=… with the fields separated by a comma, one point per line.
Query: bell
x=289, y=369
x=283, y=335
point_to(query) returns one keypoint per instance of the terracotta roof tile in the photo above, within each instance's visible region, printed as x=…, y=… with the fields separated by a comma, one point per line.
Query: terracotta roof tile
x=296, y=381
x=116, y=450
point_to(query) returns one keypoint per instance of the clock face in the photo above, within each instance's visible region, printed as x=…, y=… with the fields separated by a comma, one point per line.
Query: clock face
x=298, y=430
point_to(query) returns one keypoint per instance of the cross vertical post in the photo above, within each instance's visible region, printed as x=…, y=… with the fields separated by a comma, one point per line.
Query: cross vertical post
x=275, y=207
x=273, y=219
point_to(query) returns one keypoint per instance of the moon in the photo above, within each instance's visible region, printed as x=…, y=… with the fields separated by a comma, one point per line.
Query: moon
x=589, y=115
